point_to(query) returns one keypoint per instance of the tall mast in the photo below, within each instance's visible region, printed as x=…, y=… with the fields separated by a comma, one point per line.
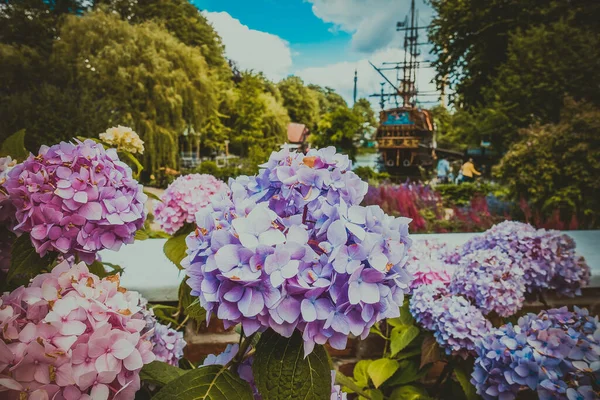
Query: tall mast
x=355, y=82
x=405, y=86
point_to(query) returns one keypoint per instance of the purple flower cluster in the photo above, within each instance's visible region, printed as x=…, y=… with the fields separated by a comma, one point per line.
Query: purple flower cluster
x=168, y=344
x=183, y=198
x=547, y=257
x=76, y=199
x=555, y=353
x=458, y=325
x=491, y=280
x=291, y=249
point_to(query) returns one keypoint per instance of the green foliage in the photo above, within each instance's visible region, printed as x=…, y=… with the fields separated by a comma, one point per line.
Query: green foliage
x=213, y=382
x=14, y=146
x=461, y=195
x=409, y=393
x=562, y=168
x=401, y=337
x=339, y=128
x=370, y=175
x=430, y=350
x=301, y=102
x=102, y=54
x=25, y=263
x=175, y=248
x=381, y=370
x=282, y=372
x=255, y=116
x=160, y=373
x=464, y=378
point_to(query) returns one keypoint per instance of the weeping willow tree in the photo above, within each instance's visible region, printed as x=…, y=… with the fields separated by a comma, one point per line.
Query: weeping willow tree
x=141, y=76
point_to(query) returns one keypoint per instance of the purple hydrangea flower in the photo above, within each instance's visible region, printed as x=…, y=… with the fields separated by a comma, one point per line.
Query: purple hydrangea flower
x=76, y=198
x=555, y=353
x=457, y=325
x=547, y=257
x=491, y=280
x=168, y=344
x=291, y=249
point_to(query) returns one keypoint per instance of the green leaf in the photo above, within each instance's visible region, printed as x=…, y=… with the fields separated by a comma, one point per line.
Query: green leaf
x=464, y=379
x=175, y=249
x=213, y=382
x=141, y=234
x=373, y=394
x=25, y=262
x=185, y=295
x=361, y=376
x=408, y=372
x=196, y=312
x=135, y=162
x=152, y=196
x=381, y=370
x=282, y=372
x=401, y=337
x=164, y=314
x=407, y=354
x=409, y=393
x=97, y=268
x=348, y=385
x=405, y=317
x=430, y=350
x=160, y=373
x=14, y=146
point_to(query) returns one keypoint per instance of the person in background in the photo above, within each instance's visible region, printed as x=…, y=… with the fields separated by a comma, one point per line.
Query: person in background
x=443, y=169
x=468, y=171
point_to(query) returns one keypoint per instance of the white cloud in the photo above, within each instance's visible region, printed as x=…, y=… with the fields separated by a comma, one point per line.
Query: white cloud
x=252, y=49
x=371, y=22
x=340, y=76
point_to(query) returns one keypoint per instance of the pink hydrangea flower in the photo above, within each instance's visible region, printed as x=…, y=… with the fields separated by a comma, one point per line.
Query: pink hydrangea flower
x=72, y=335
x=428, y=262
x=76, y=198
x=183, y=198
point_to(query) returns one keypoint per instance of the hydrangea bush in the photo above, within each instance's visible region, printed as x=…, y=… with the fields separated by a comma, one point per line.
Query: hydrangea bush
x=292, y=259
x=292, y=249
x=76, y=199
x=183, y=198
x=70, y=334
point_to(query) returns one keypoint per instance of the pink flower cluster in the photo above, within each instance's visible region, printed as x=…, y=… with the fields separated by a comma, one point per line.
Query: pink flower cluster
x=76, y=198
x=428, y=261
x=183, y=198
x=71, y=335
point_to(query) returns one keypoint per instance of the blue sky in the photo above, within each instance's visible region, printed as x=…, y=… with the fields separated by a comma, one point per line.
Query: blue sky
x=322, y=41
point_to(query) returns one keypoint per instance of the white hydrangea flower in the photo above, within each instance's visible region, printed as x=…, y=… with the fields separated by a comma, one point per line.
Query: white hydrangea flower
x=123, y=138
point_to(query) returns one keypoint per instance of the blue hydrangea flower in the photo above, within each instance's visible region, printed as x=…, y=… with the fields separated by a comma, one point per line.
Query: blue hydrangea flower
x=555, y=353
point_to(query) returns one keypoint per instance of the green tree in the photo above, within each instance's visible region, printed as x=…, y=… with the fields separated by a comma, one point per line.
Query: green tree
x=328, y=99
x=137, y=75
x=181, y=18
x=363, y=109
x=301, y=102
x=471, y=37
x=556, y=166
x=255, y=116
x=340, y=128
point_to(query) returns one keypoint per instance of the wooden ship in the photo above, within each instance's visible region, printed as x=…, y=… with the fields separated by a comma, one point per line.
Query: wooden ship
x=405, y=135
